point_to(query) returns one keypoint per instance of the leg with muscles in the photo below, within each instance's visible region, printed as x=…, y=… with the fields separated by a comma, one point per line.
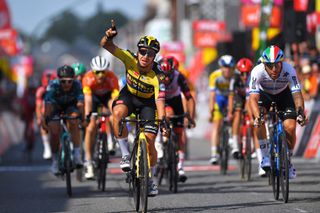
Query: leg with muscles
x=235, y=133
x=181, y=153
x=264, y=147
x=290, y=129
x=46, y=144
x=215, y=140
x=153, y=188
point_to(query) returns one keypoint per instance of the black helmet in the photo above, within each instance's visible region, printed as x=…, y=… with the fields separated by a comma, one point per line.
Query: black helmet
x=149, y=42
x=65, y=72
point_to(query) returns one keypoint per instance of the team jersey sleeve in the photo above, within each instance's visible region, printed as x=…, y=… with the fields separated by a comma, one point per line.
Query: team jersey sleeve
x=86, y=87
x=184, y=86
x=254, y=81
x=79, y=92
x=124, y=55
x=50, y=91
x=40, y=95
x=293, y=80
x=115, y=83
x=212, y=81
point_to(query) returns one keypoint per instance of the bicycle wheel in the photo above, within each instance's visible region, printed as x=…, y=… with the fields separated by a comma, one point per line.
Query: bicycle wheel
x=242, y=161
x=274, y=175
x=172, y=167
x=144, y=175
x=248, y=154
x=102, y=161
x=134, y=184
x=67, y=165
x=224, y=152
x=284, y=170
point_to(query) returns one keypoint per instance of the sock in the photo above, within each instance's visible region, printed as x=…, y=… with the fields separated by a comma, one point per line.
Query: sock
x=213, y=150
x=264, y=144
x=181, y=160
x=123, y=143
x=235, y=142
x=153, y=172
x=259, y=155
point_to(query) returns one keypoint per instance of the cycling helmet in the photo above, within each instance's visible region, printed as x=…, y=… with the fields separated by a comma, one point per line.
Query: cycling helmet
x=167, y=65
x=65, y=71
x=47, y=76
x=244, y=65
x=99, y=63
x=149, y=42
x=272, y=54
x=226, y=61
x=79, y=68
x=175, y=62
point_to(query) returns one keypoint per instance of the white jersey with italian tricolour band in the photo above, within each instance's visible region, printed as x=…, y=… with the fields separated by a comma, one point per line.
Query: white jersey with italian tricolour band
x=261, y=81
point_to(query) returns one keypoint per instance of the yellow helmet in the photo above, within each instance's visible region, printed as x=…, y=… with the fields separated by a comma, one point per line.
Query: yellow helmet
x=149, y=42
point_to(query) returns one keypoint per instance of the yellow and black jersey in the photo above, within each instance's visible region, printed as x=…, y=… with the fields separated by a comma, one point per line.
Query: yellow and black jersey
x=146, y=85
x=218, y=83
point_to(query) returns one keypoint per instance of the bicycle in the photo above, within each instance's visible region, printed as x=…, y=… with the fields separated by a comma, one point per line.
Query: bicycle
x=101, y=149
x=65, y=159
x=138, y=176
x=279, y=155
x=245, y=147
x=224, y=145
x=168, y=164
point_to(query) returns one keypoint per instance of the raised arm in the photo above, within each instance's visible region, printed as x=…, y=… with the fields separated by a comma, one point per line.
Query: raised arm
x=107, y=40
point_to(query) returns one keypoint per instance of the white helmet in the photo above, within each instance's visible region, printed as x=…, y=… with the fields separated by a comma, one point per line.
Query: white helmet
x=99, y=63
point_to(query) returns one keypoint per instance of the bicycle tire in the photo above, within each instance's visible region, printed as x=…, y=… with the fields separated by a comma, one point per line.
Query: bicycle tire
x=248, y=154
x=102, y=163
x=224, y=152
x=173, y=173
x=284, y=169
x=134, y=185
x=242, y=161
x=144, y=175
x=275, y=178
x=67, y=165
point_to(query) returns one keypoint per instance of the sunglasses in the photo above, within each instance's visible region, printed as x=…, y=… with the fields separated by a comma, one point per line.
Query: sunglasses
x=98, y=72
x=149, y=53
x=63, y=81
x=271, y=65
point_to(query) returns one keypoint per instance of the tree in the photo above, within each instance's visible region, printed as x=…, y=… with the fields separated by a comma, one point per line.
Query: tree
x=65, y=27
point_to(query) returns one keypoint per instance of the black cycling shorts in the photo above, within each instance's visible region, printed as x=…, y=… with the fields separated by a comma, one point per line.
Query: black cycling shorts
x=284, y=101
x=100, y=100
x=63, y=109
x=176, y=104
x=145, y=107
x=238, y=102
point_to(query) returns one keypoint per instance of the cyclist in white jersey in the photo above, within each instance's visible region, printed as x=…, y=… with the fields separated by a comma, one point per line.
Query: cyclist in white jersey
x=276, y=80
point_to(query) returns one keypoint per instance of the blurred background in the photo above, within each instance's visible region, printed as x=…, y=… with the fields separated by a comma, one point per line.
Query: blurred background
x=37, y=35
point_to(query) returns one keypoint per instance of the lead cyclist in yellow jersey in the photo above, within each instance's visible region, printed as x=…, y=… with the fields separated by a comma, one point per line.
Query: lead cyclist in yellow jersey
x=143, y=91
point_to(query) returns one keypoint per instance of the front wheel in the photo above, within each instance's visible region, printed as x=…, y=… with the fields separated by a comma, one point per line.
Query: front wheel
x=102, y=161
x=224, y=151
x=248, y=155
x=274, y=175
x=144, y=175
x=284, y=169
x=68, y=165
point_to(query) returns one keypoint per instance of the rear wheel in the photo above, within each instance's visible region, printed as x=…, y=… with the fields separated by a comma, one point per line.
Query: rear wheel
x=144, y=176
x=173, y=161
x=284, y=169
x=248, y=154
x=224, y=152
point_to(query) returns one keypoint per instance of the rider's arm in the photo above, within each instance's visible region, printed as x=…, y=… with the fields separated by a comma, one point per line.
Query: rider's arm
x=231, y=96
x=254, y=92
x=80, y=98
x=298, y=100
x=191, y=105
x=107, y=40
x=295, y=87
x=212, y=97
x=253, y=104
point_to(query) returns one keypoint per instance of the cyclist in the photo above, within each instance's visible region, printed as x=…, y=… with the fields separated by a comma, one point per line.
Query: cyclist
x=100, y=87
x=63, y=96
x=175, y=85
x=276, y=80
x=219, y=83
x=143, y=92
x=47, y=76
x=80, y=70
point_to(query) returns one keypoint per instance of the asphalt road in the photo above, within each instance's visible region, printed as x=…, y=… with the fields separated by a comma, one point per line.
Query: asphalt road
x=30, y=187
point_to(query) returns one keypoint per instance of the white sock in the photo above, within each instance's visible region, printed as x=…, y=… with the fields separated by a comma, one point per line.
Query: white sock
x=153, y=172
x=213, y=150
x=259, y=155
x=235, y=141
x=123, y=143
x=181, y=160
x=264, y=144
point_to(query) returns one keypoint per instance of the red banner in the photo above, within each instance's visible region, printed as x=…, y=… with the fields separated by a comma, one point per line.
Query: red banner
x=5, y=21
x=300, y=5
x=175, y=49
x=9, y=41
x=250, y=16
x=314, y=142
x=208, y=32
